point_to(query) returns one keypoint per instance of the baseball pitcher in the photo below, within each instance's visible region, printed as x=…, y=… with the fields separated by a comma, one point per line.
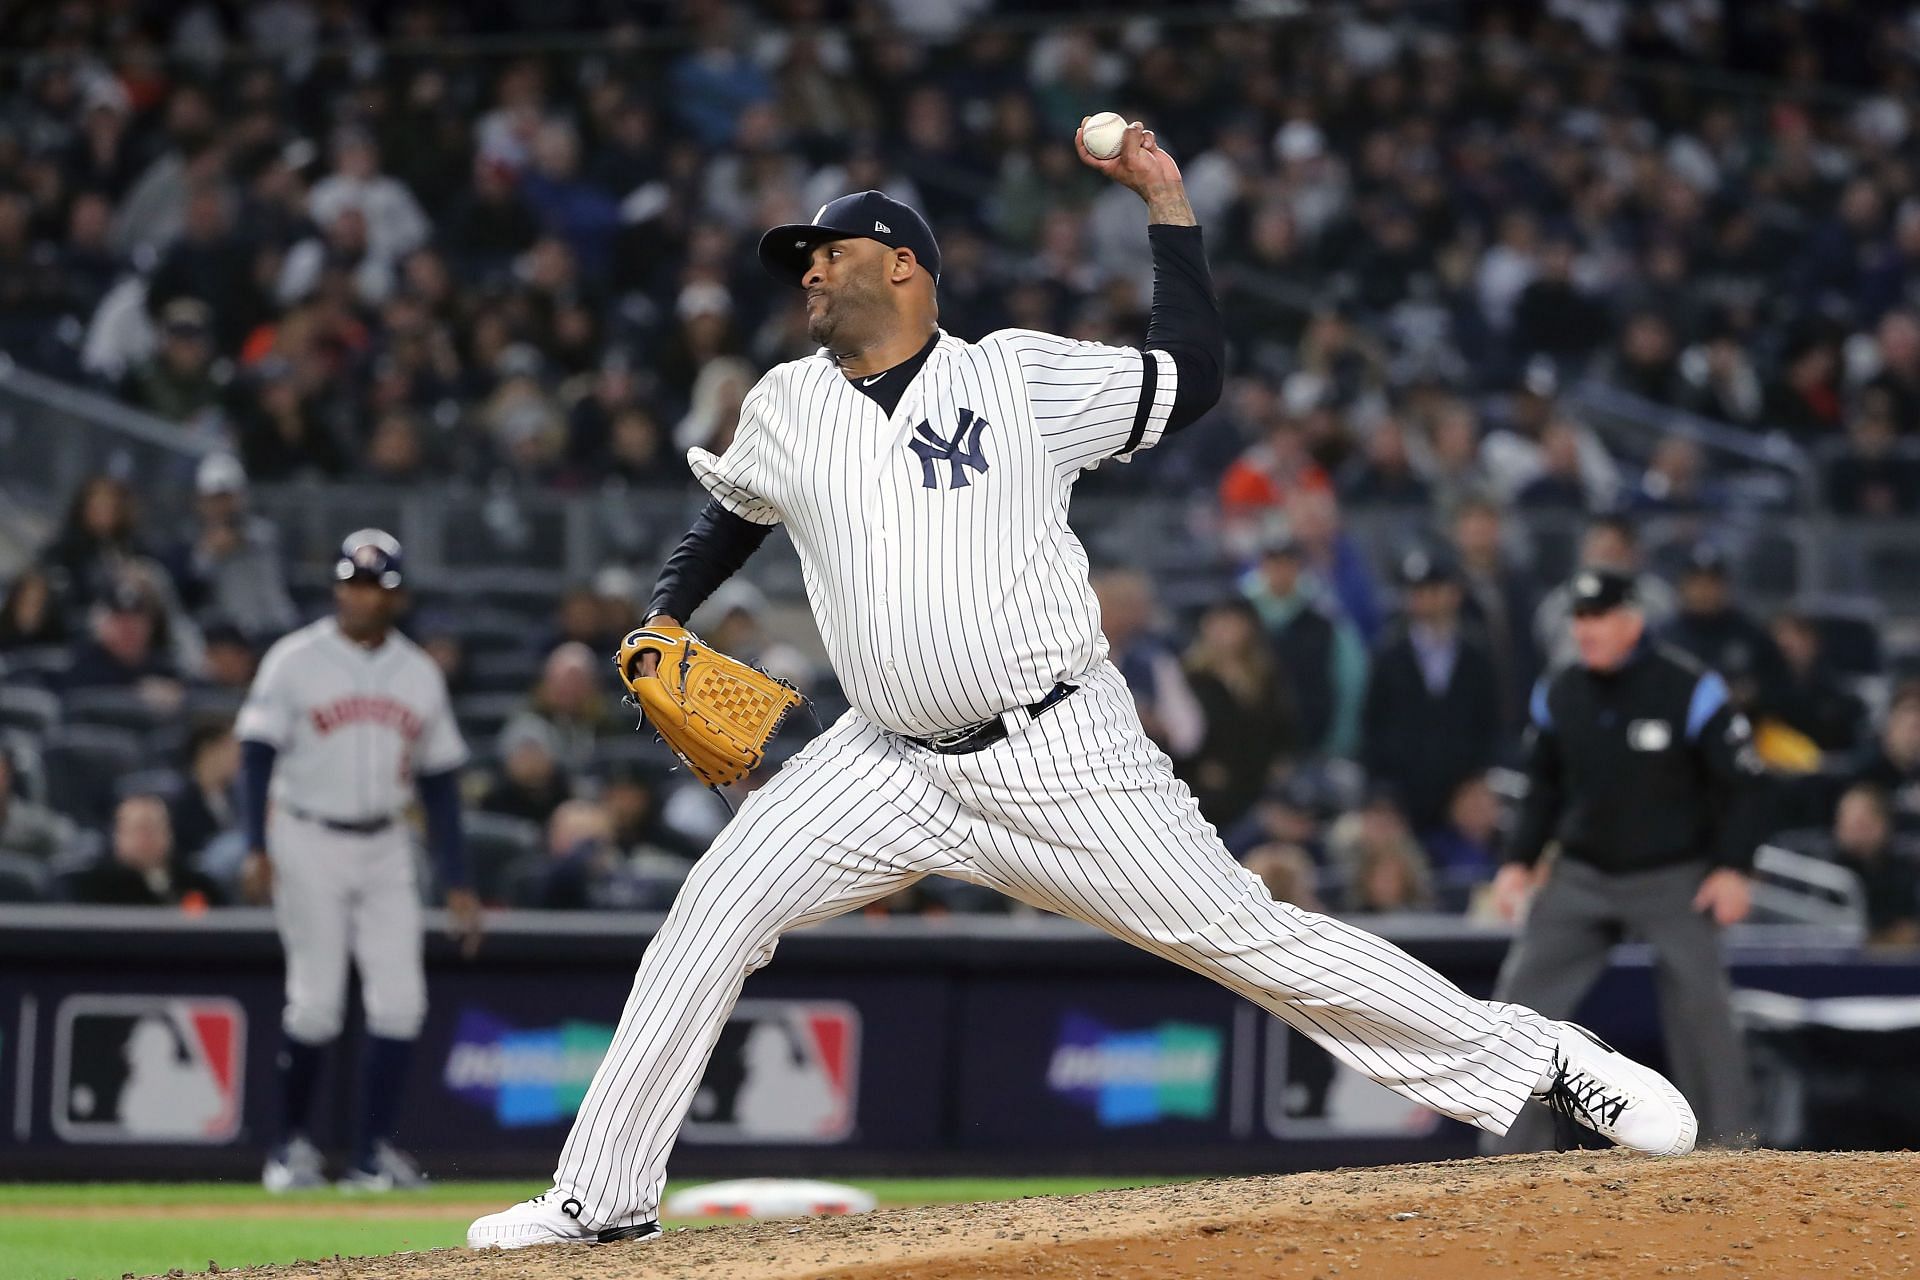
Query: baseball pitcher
x=924, y=481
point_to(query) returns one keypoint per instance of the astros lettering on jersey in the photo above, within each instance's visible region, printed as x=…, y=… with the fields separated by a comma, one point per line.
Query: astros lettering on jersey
x=353, y=726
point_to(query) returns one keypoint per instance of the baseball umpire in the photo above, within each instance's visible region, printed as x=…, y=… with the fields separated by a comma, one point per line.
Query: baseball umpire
x=345, y=718
x=925, y=481
x=1645, y=774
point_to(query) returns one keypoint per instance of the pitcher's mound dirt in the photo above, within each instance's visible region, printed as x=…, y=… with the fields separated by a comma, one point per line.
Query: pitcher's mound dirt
x=1759, y=1214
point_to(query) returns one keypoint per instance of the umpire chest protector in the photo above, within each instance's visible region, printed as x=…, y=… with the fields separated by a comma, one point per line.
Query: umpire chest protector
x=1638, y=790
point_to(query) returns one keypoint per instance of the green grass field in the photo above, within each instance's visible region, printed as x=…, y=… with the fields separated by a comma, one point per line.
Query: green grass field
x=102, y=1231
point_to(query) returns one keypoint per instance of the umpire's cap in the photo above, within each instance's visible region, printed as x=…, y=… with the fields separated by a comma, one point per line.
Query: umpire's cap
x=1597, y=591
x=372, y=555
x=787, y=251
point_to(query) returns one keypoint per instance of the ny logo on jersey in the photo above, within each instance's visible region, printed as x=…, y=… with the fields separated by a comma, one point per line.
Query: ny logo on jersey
x=962, y=451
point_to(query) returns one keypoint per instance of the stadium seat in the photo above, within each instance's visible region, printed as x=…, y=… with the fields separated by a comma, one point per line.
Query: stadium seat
x=39, y=661
x=1850, y=632
x=27, y=707
x=502, y=672
x=494, y=843
x=22, y=879
x=83, y=766
x=119, y=709
x=23, y=749
x=165, y=783
x=482, y=715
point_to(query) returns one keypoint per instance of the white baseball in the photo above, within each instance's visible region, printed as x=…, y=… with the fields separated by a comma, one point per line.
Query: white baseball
x=1102, y=134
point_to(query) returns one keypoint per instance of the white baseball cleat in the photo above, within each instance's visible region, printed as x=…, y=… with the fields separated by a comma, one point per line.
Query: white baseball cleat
x=548, y=1218
x=294, y=1165
x=1627, y=1104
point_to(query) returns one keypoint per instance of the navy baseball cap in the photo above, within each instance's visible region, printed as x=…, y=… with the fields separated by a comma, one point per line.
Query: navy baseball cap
x=1598, y=591
x=372, y=555
x=787, y=251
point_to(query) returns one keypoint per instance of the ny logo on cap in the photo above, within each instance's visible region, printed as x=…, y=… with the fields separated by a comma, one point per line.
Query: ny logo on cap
x=931, y=448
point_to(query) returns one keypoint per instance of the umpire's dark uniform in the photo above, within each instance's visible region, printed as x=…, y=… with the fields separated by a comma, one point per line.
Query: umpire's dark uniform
x=1646, y=777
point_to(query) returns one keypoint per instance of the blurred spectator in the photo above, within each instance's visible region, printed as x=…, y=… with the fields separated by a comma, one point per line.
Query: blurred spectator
x=1271, y=473
x=1896, y=350
x=95, y=540
x=1864, y=843
x=1893, y=762
x=1168, y=710
x=1720, y=381
x=1521, y=449
x=1871, y=477
x=1812, y=700
x=1805, y=400
x=281, y=429
x=124, y=651
x=1554, y=315
x=29, y=829
x=449, y=652
x=582, y=859
x=1558, y=485
x=395, y=224
x=1433, y=701
x=567, y=701
x=230, y=565
x=1249, y=723
x=1712, y=628
x=1466, y=848
x=1288, y=873
x=1321, y=657
x=204, y=810
x=231, y=658
x=1336, y=560
x=1382, y=865
x=141, y=870
x=531, y=784
x=1610, y=542
x=1497, y=602
x=1677, y=479
x=181, y=381
x=1383, y=475
x=30, y=613
x=634, y=801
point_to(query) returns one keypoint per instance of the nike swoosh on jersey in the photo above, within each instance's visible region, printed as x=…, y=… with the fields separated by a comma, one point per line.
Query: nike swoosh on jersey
x=867, y=382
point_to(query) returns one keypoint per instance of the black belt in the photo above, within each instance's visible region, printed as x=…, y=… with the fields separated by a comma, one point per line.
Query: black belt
x=360, y=827
x=978, y=737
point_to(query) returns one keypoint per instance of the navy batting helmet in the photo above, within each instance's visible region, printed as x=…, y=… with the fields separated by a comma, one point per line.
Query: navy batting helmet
x=370, y=554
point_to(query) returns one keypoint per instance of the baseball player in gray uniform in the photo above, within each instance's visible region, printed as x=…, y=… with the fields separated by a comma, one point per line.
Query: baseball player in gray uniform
x=924, y=481
x=345, y=720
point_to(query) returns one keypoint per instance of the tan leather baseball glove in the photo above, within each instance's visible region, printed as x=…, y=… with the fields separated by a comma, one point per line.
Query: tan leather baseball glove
x=716, y=713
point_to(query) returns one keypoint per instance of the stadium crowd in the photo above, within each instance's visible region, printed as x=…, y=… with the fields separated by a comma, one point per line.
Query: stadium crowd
x=372, y=245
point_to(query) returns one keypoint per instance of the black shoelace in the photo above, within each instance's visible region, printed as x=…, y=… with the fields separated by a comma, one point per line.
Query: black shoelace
x=1577, y=1099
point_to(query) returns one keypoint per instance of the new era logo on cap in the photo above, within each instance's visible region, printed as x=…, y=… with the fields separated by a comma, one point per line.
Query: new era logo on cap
x=883, y=228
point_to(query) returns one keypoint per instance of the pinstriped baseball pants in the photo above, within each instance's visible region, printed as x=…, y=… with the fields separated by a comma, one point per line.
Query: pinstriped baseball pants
x=1078, y=813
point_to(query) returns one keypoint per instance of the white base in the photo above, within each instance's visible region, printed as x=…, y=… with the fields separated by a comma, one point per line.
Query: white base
x=767, y=1198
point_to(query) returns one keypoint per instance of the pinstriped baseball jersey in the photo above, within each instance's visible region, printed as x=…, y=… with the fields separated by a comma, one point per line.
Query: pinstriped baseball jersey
x=934, y=541
x=353, y=726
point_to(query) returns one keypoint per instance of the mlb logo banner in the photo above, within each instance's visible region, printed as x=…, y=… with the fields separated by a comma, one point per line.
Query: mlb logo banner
x=148, y=1068
x=784, y=1071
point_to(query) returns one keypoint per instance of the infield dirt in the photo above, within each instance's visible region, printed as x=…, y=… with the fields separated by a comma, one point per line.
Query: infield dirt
x=1772, y=1214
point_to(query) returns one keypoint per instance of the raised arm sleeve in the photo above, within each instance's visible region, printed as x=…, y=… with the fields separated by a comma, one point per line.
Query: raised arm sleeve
x=1185, y=321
